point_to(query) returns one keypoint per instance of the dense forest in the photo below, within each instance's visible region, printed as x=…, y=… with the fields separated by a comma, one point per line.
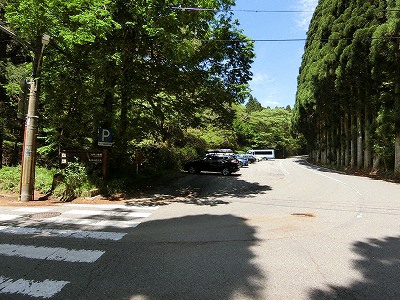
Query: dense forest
x=169, y=82
x=348, y=98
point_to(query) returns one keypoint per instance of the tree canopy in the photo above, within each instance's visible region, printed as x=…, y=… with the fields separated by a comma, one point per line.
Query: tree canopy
x=145, y=68
x=348, y=86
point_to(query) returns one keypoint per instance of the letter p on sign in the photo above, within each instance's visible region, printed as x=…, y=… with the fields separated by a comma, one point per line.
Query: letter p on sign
x=105, y=137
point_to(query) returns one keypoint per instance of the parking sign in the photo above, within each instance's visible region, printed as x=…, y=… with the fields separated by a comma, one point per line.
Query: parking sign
x=105, y=137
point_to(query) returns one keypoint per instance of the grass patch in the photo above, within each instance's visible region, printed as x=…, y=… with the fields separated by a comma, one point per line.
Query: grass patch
x=10, y=179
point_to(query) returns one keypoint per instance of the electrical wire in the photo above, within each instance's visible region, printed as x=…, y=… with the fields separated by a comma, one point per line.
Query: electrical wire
x=253, y=11
x=295, y=40
x=239, y=10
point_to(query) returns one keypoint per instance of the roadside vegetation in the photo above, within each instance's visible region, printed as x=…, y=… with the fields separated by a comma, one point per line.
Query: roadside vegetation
x=348, y=98
x=170, y=83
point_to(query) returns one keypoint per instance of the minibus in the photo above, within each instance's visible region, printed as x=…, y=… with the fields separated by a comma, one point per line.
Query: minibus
x=262, y=154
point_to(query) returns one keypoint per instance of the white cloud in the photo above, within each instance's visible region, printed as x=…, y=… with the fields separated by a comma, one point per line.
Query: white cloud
x=260, y=78
x=267, y=102
x=307, y=6
x=265, y=89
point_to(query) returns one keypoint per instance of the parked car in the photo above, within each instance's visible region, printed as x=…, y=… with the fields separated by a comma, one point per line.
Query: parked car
x=251, y=159
x=226, y=164
x=242, y=160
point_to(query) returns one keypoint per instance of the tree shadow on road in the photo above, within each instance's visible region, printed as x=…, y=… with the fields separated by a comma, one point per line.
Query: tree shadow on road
x=191, y=257
x=201, y=189
x=379, y=264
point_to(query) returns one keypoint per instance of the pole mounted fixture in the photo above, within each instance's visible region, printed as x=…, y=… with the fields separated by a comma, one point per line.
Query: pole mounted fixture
x=30, y=129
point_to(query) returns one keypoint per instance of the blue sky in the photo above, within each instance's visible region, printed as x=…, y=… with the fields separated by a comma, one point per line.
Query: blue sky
x=276, y=66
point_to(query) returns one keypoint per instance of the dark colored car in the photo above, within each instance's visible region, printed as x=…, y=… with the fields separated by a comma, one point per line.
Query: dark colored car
x=213, y=163
x=243, y=162
x=250, y=158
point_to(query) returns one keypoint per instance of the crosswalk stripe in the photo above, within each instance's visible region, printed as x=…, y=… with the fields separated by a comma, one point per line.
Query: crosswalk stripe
x=91, y=217
x=44, y=289
x=4, y=217
x=128, y=214
x=95, y=223
x=80, y=234
x=110, y=206
x=32, y=209
x=50, y=253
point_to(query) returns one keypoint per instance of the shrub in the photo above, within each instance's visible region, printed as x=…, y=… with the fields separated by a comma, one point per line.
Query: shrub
x=10, y=179
x=75, y=181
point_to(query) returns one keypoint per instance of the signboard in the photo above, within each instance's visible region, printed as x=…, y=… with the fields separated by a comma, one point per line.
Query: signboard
x=105, y=137
x=93, y=157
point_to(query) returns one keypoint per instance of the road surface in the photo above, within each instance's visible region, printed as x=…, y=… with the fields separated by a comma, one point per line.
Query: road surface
x=279, y=229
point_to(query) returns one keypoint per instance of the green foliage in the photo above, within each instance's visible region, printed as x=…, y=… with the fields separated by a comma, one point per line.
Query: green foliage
x=266, y=128
x=75, y=181
x=139, y=67
x=348, y=86
x=253, y=105
x=10, y=179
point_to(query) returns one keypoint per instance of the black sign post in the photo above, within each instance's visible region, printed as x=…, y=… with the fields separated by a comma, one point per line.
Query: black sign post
x=105, y=137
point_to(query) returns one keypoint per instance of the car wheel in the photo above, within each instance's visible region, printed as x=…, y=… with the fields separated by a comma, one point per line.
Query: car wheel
x=226, y=172
x=192, y=170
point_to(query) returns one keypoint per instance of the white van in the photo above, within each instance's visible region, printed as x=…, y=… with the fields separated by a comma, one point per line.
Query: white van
x=262, y=154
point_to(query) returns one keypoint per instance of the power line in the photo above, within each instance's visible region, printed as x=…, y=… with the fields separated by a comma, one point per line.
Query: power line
x=238, y=10
x=296, y=40
x=253, y=11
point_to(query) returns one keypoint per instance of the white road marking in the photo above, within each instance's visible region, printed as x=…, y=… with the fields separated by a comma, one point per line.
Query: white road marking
x=80, y=234
x=32, y=209
x=96, y=223
x=44, y=289
x=50, y=253
x=79, y=215
x=331, y=178
x=280, y=164
x=4, y=217
x=128, y=214
x=110, y=206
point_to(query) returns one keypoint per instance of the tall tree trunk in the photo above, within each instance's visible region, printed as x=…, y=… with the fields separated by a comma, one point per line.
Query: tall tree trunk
x=397, y=141
x=123, y=123
x=367, y=139
x=397, y=155
x=1, y=145
x=347, y=141
x=352, y=142
x=359, y=141
x=339, y=145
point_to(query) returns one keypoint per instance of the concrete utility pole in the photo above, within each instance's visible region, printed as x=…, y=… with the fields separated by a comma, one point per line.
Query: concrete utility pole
x=30, y=130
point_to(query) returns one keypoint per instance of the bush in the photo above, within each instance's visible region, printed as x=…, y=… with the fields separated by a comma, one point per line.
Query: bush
x=75, y=181
x=10, y=179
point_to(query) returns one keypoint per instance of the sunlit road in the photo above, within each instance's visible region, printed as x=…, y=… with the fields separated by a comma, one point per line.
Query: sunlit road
x=280, y=229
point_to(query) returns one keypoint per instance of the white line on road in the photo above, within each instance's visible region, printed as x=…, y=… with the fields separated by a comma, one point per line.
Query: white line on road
x=44, y=289
x=95, y=223
x=49, y=253
x=80, y=234
x=85, y=212
x=32, y=209
x=280, y=164
x=4, y=217
x=110, y=206
x=331, y=178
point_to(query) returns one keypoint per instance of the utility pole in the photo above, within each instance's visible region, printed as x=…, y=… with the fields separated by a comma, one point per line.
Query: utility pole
x=30, y=129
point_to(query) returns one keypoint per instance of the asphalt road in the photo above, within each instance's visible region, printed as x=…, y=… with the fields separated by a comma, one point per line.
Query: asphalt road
x=279, y=229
